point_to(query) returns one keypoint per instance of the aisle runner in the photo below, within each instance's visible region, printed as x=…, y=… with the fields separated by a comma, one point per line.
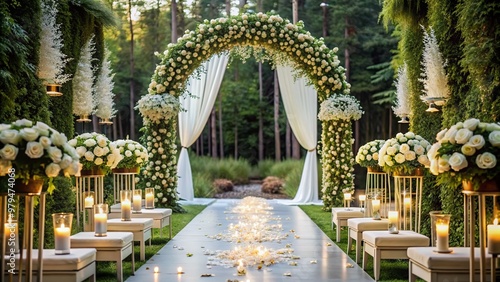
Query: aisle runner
x=274, y=243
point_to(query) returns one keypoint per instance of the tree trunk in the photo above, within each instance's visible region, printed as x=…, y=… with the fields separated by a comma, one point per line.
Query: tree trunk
x=174, y=21
x=277, y=145
x=221, y=135
x=288, y=138
x=295, y=147
x=235, y=141
x=132, y=69
x=213, y=133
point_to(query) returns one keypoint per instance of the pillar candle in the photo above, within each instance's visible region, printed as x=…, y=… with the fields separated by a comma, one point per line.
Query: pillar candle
x=89, y=202
x=376, y=205
x=100, y=224
x=126, y=211
x=393, y=217
x=442, y=236
x=137, y=202
x=347, y=196
x=61, y=238
x=494, y=238
x=362, y=198
x=150, y=200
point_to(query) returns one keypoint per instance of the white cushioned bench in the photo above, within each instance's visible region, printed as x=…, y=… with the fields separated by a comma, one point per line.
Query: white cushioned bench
x=356, y=228
x=140, y=227
x=435, y=267
x=77, y=266
x=162, y=217
x=116, y=246
x=341, y=215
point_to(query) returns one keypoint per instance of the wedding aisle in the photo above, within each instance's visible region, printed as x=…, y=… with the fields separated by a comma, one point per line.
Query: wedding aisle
x=288, y=247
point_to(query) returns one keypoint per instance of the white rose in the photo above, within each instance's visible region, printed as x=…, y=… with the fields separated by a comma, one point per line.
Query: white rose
x=89, y=156
x=399, y=158
x=463, y=135
x=419, y=150
x=128, y=154
x=98, y=151
x=392, y=150
x=58, y=139
x=468, y=150
x=441, y=134
x=72, y=142
x=23, y=123
x=450, y=135
x=98, y=161
x=81, y=151
x=34, y=150
x=477, y=141
x=89, y=143
x=29, y=134
x=471, y=124
x=368, y=157
x=458, y=161
x=443, y=164
x=434, y=166
x=375, y=156
x=120, y=143
x=52, y=170
x=65, y=161
x=9, y=152
x=72, y=169
x=410, y=155
x=10, y=136
x=404, y=148
x=424, y=160
x=102, y=141
x=494, y=138
x=432, y=153
x=131, y=147
x=55, y=154
x=486, y=160
x=45, y=141
x=489, y=127
x=410, y=135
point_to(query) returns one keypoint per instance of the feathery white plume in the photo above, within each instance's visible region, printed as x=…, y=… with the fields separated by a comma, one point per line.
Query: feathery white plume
x=83, y=100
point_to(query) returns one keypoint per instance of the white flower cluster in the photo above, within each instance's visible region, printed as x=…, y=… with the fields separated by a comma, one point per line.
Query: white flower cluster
x=257, y=30
x=337, y=106
x=433, y=73
x=155, y=108
x=368, y=153
x=95, y=150
x=132, y=153
x=404, y=153
x=35, y=149
x=471, y=143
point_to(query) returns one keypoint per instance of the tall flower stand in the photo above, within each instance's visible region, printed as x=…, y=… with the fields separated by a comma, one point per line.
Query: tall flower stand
x=7, y=209
x=408, y=199
x=89, y=181
x=378, y=185
x=123, y=179
x=470, y=229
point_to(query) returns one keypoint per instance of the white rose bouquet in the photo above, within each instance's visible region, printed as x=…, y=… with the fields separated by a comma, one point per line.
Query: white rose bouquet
x=155, y=108
x=338, y=106
x=35, y=151
x=467, y=151
x=404, y=153
x=368, y=154
x=133, y=154
x=96, y=151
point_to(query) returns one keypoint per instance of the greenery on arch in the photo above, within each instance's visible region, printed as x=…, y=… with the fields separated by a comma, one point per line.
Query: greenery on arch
x=272, y=38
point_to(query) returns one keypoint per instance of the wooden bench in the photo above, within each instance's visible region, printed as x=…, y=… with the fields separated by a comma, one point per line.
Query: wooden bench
x=140, y=227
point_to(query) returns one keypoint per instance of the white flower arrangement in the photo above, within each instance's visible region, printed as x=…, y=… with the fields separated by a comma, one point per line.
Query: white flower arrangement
x=260, y=31
x=52, y=59
x=367, y=155
x=404, y=153
x=433, y=75
x=83, y=100
x=33, y=151
x=155, y=108
x=337, y=106
x=133, y=154
x=104, y=90
x=467, y=151
x=96, y=151
x=402, y=107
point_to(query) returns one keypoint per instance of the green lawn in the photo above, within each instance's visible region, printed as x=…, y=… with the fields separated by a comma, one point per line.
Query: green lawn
x=390, y=270
x=106, y=271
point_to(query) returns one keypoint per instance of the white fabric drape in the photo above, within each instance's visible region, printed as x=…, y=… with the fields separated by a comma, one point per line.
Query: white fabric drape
x=300, y=101
x=193, y=120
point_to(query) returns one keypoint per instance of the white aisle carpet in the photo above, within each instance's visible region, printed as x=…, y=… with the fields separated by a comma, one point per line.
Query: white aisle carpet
x=300, y=252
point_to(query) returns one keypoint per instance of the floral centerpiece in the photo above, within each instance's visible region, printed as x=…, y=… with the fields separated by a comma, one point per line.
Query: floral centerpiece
x=466, y=152
x=155, y=108
x=97, y=153
x=404, y=153
x=34, y=152
x=133, y=155
x=367, y=155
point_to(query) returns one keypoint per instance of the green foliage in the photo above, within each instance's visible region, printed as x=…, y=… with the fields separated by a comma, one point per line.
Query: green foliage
x=202, y=185
x=263, y=168
x=283, y=168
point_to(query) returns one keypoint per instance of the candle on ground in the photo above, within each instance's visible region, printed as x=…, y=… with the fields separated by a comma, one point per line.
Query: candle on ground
x=179, y=270
x=494, y=237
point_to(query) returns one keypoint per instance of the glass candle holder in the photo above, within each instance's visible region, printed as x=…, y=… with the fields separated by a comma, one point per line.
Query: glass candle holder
x=137, y=201
x=126, y=204
x=393, y=222
x=62, y=231
x=376, y=209
x=88, y=199
x=100, y=220
x=442, y=227
x=150, y=198
x=11, y=235
x=362, y=199
x=347, y=200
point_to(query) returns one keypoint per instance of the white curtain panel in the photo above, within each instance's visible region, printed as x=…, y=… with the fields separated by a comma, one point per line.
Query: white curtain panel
x=193, y=120
x=300, y=101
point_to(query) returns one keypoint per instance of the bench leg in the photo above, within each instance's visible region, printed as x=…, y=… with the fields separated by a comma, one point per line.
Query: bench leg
x=119, y=269
x=358, y=245
x=143, y=250
x=170, y=227
x=376, y=265
x=338, y=232
x=349, y=242
x=365, y=258
x=92, y=278
x=411, y=276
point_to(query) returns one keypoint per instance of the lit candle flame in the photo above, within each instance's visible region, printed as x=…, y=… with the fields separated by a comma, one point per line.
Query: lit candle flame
x=179, y=270
x=156, y=269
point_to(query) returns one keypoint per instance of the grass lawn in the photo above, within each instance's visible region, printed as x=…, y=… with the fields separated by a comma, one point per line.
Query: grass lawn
x=390, y=270
x=106, y=271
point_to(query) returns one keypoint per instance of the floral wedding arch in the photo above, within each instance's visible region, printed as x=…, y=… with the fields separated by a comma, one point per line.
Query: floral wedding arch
x=271, y=38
